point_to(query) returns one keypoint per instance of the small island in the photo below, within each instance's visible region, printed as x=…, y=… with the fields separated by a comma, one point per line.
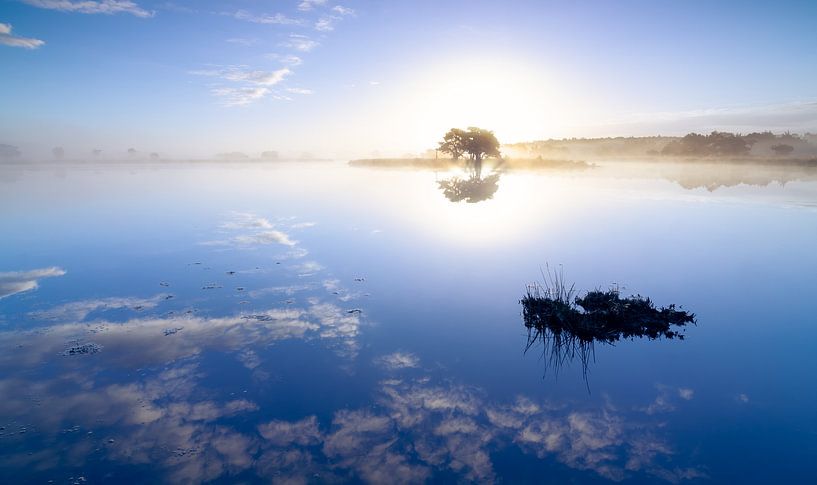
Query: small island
x=568, y=325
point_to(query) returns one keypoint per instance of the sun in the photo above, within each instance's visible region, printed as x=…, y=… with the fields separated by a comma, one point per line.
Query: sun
x=514, y=100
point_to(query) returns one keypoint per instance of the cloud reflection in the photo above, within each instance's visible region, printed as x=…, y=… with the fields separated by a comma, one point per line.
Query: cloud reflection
x=14, y=282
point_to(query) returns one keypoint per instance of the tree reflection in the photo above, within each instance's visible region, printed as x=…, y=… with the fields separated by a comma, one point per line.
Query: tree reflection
x=474, y=188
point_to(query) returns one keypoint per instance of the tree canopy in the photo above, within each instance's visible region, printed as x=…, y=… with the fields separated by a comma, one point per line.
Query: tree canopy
x=477, y=143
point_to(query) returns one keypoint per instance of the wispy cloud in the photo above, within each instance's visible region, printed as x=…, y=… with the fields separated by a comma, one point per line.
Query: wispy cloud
x=398, y=360
x=252, y=84
x=300, y=43
x=287, y=60
x=299, y=91
x=79, y=310
x=240, y=96
x=242, y=41
x=15, y=282
x=269, y=19
x=107, y=7
x=307, y=5
x=263, y=232
x=341, y=10
x=9, y=39
x=325, y=24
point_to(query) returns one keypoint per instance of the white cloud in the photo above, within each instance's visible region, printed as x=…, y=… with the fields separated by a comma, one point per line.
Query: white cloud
x=15, y=282
x=261, y=238
x=325, y=24
x=299, y=91
x=240, y=96
x=300, y=43
x=107, y=7
x=287, y=60
x=686, y=393
x=285, y=433
x=307, y=5
x=79, y=310
x=265, y=237
x=261, y=78
x=247, y=220
x=276, y=19
x=253, y=84
x=11, y=40
x=399, y=360
x=341, y=10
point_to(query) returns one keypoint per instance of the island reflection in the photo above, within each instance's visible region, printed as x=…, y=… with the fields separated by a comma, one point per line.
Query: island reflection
x=474, y=188
x=567, y=326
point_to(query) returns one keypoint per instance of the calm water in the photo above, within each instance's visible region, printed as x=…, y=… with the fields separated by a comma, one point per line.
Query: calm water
x=321, y=323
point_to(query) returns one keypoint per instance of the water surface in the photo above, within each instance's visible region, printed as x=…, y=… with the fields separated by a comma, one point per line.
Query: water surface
x=320, y=323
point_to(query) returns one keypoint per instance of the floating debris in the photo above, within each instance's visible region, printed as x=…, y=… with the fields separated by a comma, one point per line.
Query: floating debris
x=181, y=452
x=258, y=317
x=168, y=297
x=240, y=288
x=164, y=283
x=82, y=349
x=357, y=311
x=230, y=273
x=211, y=286
x=360, y=279
x=171, y=331
x=139, y=308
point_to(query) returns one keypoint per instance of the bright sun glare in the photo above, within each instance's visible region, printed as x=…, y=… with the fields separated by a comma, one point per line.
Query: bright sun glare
x=517, y=101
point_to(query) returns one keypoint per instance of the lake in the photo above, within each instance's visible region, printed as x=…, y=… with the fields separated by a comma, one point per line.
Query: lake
x=315, y=322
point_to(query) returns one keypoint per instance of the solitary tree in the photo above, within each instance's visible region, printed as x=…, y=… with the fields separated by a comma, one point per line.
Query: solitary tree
x=481, y=144
x=476, y=142
x=454, y=143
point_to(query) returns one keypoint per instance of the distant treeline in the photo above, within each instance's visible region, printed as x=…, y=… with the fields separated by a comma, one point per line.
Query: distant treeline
x=715, y=144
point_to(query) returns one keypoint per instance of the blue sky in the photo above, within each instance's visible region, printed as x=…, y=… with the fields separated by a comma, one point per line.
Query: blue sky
x=195, y=78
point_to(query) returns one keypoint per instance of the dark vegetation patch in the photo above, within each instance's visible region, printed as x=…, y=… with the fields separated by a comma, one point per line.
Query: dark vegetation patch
x=568, y=326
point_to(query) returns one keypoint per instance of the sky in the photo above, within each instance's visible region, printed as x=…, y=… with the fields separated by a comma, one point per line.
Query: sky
x=192, y=79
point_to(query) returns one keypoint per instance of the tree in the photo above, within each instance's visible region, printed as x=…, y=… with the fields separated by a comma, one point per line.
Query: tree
x=454, y=143
x=9, y=151
x=476, y=142
x=781, y=149
x=481, y=144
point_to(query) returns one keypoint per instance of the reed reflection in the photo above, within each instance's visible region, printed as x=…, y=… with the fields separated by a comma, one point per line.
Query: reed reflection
x=568, y=326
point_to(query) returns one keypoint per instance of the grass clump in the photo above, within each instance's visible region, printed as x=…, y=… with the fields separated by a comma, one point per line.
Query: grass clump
x=568, y=325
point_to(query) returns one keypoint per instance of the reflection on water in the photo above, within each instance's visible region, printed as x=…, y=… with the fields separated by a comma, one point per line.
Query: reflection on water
x=568, y=326
x=473, y=188
x=264, y=329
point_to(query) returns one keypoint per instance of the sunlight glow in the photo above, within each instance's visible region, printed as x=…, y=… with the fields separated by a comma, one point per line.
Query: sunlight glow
x=517, y=101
